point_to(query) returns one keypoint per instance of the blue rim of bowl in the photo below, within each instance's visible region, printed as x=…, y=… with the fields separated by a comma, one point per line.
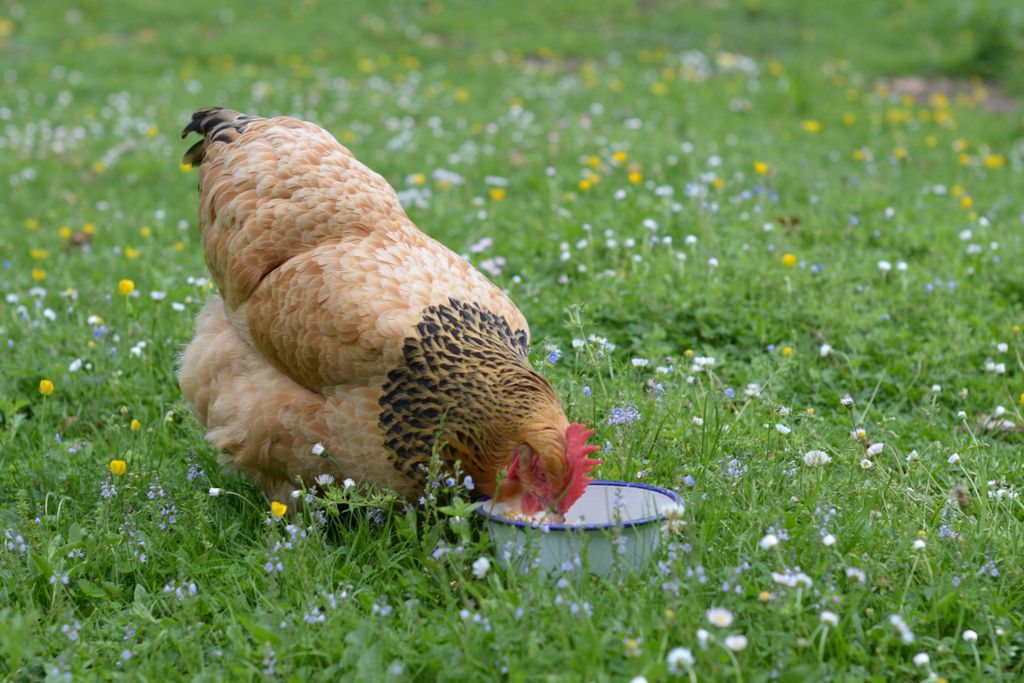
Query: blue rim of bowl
x=482, y=511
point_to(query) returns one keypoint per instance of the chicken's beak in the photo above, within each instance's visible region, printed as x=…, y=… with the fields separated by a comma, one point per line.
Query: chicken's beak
x=553, y=515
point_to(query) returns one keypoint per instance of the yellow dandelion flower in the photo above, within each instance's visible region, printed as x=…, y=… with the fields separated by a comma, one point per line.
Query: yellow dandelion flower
x=964, y=159
x=118, y=467
x=966, y=201
x=658, y=88
x=498, y=194
x=688, y=353
x=849, y=118
x=900, y=153
x=859, y=154
x=45, y=387
x=776, y=68
x=462, y=95
x=99, y=167
x=718, y=183
x=89, y=229
x=956, y=190
x=185, y=167
x=787, y=351
x=760, y=167
x=31, y=223
x=1022, y=399
x=64, y=232
x=764, y=596
x=136, y=425
x=584, y=185
x=146, y=231
x=179, y=246
x=419, y=179
x=152, y=132
x=812, y=126
x=131, y=253
x=38, y=274
x=620, y=156
x=125, y=287
x=789, y=260
x=38, y=254
x=1016, y=329
x=636, y=177
x=278, y=509
x=931, y=141
x=994, y=161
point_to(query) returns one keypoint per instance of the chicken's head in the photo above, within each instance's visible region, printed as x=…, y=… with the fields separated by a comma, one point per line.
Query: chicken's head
x=549, y=468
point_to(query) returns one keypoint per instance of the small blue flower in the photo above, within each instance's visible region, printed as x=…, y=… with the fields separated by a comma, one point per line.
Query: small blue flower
x=730, y=393
x=627, y=415
x=688, y=480
x=468, y=483
x=586, y=390
x=554, y=356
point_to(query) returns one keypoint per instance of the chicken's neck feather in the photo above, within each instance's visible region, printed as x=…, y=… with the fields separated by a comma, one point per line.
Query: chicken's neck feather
x=466, y=378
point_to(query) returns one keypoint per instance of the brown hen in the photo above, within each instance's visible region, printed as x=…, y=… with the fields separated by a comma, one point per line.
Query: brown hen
x=340, y=323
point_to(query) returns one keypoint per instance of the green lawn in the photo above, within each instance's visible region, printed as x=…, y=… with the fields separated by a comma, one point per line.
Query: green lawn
x=661, y=183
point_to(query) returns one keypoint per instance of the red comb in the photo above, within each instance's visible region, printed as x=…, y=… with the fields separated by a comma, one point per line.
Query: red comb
x=576, y=451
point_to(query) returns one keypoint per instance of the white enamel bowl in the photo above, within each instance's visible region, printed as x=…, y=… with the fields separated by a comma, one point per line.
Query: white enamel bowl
x=614, y=525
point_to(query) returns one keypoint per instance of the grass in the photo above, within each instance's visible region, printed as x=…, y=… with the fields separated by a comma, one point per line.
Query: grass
x=742, y=131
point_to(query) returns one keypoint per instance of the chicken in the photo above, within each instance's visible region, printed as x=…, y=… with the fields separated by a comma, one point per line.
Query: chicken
x=340, y=323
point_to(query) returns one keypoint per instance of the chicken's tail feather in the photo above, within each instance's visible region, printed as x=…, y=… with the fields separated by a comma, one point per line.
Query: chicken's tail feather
x=215, y=124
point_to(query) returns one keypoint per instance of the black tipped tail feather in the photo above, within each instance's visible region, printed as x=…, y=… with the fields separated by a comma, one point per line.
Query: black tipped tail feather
x=215, y=124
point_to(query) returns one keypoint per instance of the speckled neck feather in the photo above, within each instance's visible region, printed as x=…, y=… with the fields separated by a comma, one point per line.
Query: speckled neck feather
x=466, y=376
